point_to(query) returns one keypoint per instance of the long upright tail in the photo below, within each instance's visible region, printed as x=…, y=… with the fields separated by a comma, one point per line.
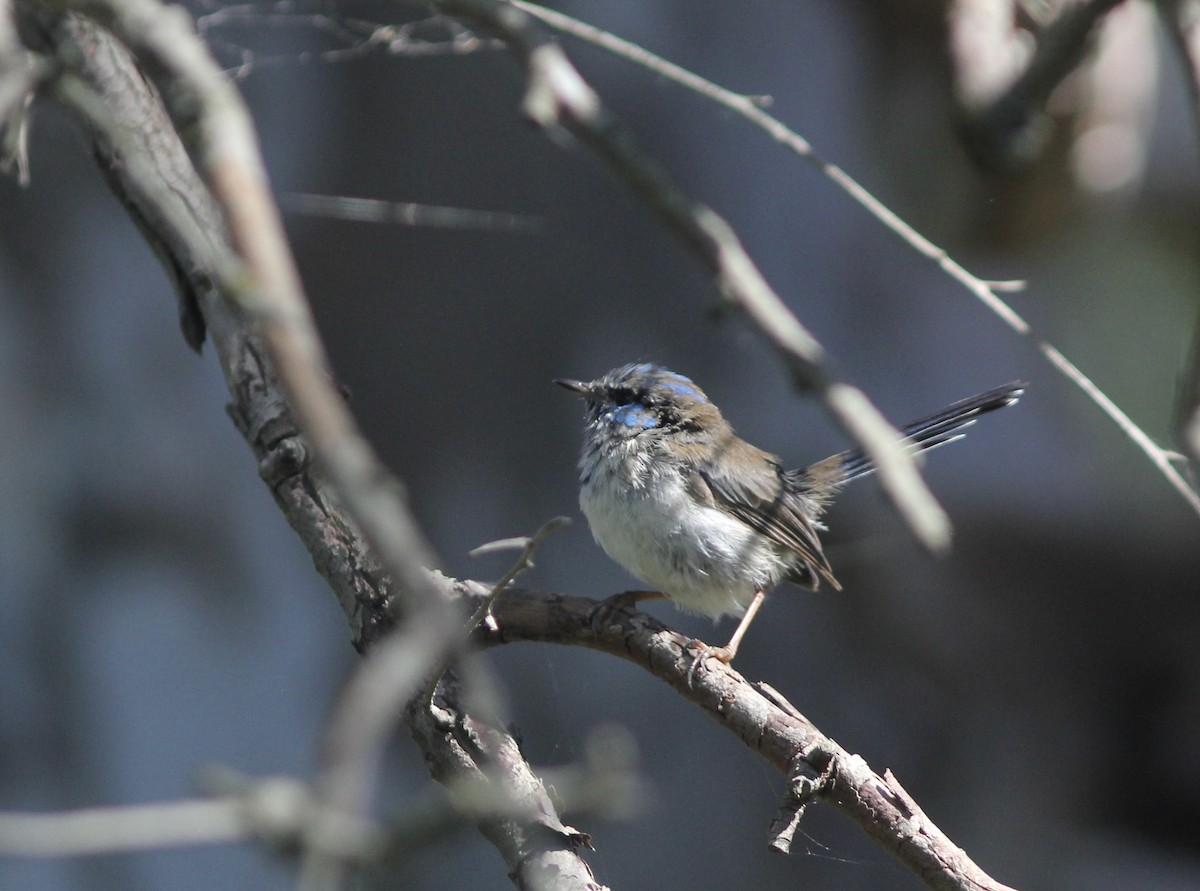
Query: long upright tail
x=948, y=425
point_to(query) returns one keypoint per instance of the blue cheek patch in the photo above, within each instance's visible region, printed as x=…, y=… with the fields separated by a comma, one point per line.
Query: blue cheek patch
x=634, y=416
x=683, y=388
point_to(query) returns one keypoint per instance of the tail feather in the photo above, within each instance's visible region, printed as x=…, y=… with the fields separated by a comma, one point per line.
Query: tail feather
x=946, y=426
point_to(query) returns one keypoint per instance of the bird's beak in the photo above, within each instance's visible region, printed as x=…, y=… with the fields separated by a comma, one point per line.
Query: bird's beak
x=579, y=388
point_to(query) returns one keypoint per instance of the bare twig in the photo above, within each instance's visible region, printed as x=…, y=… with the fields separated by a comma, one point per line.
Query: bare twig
x=751, y=109
x=354, y=38
x=374, y=210
x=985, y=291
x=528, y=546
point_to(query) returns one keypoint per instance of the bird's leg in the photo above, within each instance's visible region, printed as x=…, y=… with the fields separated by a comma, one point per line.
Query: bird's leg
x=603, y=611
x=726, y=653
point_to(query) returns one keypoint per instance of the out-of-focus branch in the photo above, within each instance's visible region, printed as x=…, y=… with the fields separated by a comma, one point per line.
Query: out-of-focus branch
x=286, y=815
x=278, y=809
x=1189, y=403
x=1002, y=83
x=20, y=74
x=818, y=768
x=151, y=174
x=111, y=830
x=988, y=49
x=558, y=98
x=1182, y=20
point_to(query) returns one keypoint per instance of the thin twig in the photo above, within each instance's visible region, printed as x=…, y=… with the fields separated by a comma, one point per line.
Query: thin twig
x=375, y=210
x=524, y=562
x=358, y=38
x=984, y=291
x=528, y=546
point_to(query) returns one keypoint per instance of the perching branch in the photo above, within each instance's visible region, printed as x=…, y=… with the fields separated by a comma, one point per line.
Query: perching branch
x=816, y=766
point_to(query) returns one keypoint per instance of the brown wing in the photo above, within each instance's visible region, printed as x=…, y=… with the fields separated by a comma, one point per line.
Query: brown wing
x=767, y=501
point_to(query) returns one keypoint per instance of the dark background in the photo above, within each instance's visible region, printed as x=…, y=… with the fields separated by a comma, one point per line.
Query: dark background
x=1038, y=692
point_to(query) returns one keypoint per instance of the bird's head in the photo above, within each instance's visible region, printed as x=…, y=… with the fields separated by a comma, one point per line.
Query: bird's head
x=645, y=400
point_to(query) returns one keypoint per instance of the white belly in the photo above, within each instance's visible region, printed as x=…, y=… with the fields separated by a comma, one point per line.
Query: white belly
x=703, y=559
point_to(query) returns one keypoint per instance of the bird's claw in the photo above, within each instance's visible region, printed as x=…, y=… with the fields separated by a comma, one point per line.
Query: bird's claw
x=603, y=613
x=724, y=655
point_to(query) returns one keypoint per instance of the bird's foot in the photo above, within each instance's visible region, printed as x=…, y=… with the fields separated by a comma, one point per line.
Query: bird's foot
x=704, y=652
x=604, y=612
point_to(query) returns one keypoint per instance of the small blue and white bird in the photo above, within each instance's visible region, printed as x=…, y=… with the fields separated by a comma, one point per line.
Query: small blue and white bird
x=712, y=522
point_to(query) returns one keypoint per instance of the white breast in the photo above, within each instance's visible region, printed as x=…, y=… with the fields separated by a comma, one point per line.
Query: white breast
x=705, y=560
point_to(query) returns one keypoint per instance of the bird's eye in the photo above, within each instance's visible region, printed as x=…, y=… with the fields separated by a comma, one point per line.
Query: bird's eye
x=622, y=396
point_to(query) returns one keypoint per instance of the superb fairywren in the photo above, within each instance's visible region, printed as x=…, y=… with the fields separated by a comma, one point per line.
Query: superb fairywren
x=673, y=495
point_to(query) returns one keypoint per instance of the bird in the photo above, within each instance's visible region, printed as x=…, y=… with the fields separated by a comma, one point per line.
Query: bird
x=708, y=520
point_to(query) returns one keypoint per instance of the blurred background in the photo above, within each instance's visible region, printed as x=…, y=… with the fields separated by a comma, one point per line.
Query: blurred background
x=1038, y=692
